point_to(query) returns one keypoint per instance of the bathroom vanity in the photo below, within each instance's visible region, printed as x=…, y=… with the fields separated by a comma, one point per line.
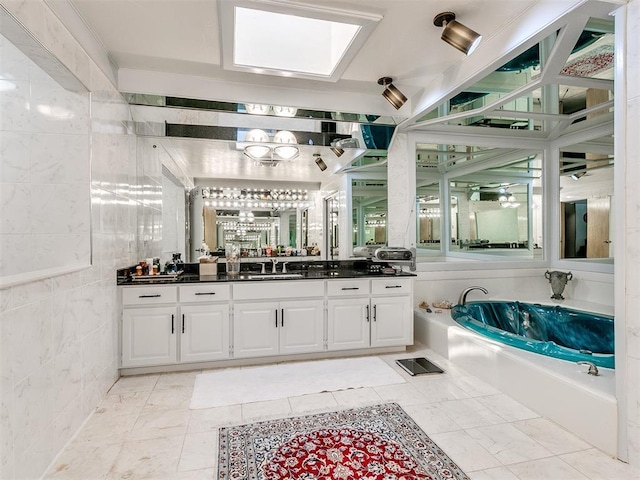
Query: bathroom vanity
x=238, y=319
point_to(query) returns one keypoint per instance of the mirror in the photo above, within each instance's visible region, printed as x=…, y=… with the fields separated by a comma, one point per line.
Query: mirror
x=497, y=210
x=586, y=200
x=260, y=221
x=331, y=216
x=369, y=212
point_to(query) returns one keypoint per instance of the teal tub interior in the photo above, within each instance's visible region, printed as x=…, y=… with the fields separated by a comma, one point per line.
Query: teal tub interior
x=554, y=331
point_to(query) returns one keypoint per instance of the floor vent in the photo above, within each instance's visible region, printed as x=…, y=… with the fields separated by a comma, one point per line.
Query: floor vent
x=419, y=366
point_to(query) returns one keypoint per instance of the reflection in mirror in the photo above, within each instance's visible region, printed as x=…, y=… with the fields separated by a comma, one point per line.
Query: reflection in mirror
x=586, y=198
x=498, y=210
x=331, y=219
x=429, y=216
x=261, y=221
x=369, y=204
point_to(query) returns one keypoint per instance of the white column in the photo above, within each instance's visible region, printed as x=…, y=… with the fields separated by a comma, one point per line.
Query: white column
x=401, y=192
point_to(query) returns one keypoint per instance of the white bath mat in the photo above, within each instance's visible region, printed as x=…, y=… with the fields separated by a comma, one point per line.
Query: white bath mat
x=271, y=382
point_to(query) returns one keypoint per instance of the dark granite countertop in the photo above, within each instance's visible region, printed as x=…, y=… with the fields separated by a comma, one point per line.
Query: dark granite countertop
x=304, y=271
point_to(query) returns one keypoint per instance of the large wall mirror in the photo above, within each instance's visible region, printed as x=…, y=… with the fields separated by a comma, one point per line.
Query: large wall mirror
x=369, y=212
x=429, y=216
x=498, y=210
x=258, y=221
x=586, y=200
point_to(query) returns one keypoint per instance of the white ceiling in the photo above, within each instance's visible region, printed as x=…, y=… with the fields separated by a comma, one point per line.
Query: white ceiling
x=182, y=36
x=172, y=47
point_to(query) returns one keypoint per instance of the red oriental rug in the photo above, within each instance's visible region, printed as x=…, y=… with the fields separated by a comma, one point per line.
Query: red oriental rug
x=378, y=442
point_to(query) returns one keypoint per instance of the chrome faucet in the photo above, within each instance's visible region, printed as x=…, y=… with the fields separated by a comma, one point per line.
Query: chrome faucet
x=284, y=267
x=463, y=296
x=593, y=370
x=275, y=262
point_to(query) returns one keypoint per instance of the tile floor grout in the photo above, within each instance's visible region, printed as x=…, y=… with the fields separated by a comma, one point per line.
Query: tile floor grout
x=160, y=438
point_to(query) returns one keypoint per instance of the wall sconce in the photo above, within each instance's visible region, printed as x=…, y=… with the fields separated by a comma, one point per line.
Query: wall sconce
x=394, y=96
x=456, y=34
x=321, y=165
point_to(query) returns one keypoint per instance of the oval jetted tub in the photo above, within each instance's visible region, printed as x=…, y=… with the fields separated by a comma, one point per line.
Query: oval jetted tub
x=549, y=330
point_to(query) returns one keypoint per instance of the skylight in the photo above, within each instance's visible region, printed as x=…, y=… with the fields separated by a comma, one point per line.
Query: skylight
x=276, y=41
x=291, y=40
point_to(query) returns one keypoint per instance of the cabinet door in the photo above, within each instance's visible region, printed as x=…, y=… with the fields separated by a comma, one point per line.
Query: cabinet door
x=348, y=323
x=301, y=326
x=255, y=333
x=204, y=333
x=392, y=321
x=149, y=336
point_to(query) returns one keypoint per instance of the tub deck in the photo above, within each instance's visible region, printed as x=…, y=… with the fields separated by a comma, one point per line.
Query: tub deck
x=557, y=389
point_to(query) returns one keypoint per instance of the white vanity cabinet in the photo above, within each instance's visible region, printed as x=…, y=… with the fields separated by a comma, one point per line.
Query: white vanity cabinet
x=167, y=324
x=175, y=324
x=204, y=322
x=282, y=326
x=348, y=314
x=391, y=312
x=363, y=314
x=149, y=325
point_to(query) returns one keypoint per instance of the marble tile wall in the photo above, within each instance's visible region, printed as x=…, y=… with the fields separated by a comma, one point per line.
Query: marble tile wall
x=44, y=144
x=59, y=334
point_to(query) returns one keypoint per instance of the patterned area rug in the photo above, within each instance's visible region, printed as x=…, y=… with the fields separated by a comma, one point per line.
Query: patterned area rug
x=378, y=442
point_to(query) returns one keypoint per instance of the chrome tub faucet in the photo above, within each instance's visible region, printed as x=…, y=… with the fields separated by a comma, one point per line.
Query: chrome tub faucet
x=463, y=296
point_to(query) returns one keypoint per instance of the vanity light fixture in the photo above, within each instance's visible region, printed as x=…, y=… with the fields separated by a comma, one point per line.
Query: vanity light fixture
x=281, y=111
x=319, y=162
x=257, y=108
x=289, y=150
x=456, y=34
x=394, y=96
x=257, y=150
x=260, y=151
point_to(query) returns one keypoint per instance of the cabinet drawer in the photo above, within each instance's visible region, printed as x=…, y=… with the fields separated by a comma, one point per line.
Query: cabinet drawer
x=299, y=289
x=347, y=288
x=392, y=286
x=149, y=295
x=205, y=292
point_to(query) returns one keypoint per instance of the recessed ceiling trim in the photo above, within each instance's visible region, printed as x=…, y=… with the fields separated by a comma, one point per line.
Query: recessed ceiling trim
x=364, y=21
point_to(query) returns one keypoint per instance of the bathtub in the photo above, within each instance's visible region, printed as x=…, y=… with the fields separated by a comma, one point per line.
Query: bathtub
x=557, y=389
x=550, y=330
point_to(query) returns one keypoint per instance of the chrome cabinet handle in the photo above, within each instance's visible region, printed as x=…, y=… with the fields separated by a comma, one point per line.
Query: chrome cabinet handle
x=183, y=323
x=157, y=295
x=374, y=313
x=367, y=313
x=276, y=318
x=393, y=286
x=205, y=293
x=350, y=288
x=282, y=317
x=172, y=325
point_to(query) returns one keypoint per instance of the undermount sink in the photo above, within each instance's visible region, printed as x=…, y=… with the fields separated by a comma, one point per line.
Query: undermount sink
x=275, y=276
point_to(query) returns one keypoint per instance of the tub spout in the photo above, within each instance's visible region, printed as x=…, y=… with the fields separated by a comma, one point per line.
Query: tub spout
x=593, y=370
x=463, y=296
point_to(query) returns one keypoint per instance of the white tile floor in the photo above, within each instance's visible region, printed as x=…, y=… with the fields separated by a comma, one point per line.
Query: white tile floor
x=144, y=429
